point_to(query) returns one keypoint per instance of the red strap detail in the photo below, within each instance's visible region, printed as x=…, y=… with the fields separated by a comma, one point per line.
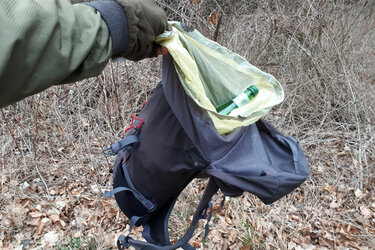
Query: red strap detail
x=141, y=121
x=124, y=160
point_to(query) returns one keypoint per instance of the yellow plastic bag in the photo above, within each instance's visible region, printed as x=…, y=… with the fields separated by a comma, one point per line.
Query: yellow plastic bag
x=212, y=75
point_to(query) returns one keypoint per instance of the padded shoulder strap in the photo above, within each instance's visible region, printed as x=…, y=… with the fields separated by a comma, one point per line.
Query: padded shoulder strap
x=200, y=213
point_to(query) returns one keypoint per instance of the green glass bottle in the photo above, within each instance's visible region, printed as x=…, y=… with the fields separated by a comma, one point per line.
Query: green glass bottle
x=238, y=101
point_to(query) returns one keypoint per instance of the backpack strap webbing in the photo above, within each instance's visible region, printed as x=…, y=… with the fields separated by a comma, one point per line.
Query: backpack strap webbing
x=126, y=143
x=145, y=202
x=200, y=213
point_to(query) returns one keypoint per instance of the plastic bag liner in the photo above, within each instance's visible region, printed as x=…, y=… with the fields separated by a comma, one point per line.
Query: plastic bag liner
x=213, y=75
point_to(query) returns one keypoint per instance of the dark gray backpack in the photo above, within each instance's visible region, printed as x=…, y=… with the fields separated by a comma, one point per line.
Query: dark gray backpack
x=173, y=141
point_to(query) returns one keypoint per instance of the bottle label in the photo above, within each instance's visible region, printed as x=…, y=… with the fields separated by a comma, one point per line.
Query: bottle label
x=241, y=100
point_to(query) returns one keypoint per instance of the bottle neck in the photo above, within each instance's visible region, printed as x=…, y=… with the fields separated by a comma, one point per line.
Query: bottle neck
x=249, y=93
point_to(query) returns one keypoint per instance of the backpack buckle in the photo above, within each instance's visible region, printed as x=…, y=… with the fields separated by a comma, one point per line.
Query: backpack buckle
x=125, y=144
x=123, y=242
x=107, y=152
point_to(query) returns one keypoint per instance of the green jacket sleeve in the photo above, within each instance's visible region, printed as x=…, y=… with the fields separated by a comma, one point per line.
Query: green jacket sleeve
x=43, y=43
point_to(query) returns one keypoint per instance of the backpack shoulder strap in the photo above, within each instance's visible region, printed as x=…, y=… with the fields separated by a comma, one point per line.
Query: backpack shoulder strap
x=200, y=213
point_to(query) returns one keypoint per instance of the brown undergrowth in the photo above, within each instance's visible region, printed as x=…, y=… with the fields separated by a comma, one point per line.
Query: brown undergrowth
x=52, y=173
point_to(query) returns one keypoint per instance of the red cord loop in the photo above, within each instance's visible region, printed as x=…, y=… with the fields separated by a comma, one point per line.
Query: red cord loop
x=132, y=125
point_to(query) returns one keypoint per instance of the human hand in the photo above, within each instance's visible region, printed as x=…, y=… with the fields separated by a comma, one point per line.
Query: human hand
x=145, y=21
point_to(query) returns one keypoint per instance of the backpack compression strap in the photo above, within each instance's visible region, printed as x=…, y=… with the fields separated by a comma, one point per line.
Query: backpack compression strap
x=200, y=213
x=126, y=143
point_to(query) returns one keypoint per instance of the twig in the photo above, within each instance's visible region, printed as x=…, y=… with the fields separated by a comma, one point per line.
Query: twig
x=217, y=30
x=178, y=13
x=129, y=86
x=10, y=131
x=41, y=177
x=35, y=116
x=3, y=171
x=348, y=82
x=108, y=109
x=113, y=81
x=309, y=55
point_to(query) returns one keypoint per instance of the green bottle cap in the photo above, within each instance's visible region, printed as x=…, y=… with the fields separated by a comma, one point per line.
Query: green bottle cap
x=253, y=89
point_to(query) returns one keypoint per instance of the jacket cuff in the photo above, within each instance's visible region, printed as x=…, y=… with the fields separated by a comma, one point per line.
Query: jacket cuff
x=114, y=16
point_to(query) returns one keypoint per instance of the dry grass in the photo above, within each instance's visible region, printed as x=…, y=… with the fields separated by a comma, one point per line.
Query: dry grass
x=323, y=54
